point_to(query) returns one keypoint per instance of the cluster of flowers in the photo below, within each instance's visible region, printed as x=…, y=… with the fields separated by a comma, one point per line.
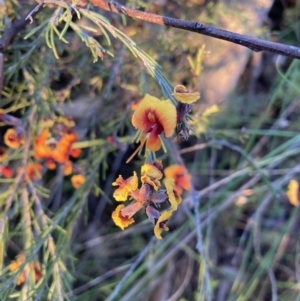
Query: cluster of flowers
x=150, y=196
x=52, y=146
x=154, y=118
x=31, y=267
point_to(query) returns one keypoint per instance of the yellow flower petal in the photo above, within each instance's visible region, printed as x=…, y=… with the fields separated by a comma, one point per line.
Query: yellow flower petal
x=169, y=183
x=151, y=175
x=293, y=192
x=125, y=187
x=181, y=94
x=152, y=182
x=152, y=171
x=120, y=220
x=160, y=224
x=167, y=116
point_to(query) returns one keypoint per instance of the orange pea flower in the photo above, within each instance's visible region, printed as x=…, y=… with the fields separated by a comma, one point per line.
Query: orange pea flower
x=77, y=181
x=182, y=95
x=293, y=193
x=125, y=187
x=119, y=219
x=154, y=117
x=58, y=151
x=161, y=223
x=13, y=139
x=180, y=175
x=32, y=266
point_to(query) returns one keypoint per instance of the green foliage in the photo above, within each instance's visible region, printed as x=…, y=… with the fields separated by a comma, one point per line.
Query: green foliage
x=235, y=230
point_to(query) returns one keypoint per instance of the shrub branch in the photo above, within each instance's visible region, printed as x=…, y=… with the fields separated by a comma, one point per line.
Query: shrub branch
x=252, y=43
x=10, y=34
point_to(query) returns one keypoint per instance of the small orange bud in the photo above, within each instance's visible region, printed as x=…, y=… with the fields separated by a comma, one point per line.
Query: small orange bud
x=77, y=181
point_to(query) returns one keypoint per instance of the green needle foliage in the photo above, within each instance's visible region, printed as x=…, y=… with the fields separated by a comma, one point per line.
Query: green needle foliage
x=72, y=78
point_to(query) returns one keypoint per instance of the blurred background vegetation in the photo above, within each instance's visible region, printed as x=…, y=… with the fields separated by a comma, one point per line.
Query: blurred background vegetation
x=235, y=236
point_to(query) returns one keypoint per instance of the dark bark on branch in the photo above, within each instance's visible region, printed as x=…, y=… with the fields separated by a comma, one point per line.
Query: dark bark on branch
x=250, y=42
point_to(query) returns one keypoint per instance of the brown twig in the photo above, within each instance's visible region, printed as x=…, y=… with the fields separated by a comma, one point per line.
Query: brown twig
x=250, y=42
